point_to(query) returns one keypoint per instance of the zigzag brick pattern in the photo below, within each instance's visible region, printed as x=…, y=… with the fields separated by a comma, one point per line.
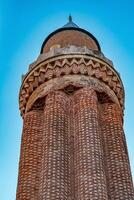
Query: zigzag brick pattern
x=60, y=67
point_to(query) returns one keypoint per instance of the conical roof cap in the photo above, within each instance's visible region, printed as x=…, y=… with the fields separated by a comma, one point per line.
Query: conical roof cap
x=70, y=23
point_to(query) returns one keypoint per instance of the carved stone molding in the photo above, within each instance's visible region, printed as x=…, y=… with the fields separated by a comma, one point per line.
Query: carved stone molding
x=77, y=81
x=70, y=64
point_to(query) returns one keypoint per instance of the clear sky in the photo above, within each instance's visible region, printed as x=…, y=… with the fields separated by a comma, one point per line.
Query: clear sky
x=23, y=27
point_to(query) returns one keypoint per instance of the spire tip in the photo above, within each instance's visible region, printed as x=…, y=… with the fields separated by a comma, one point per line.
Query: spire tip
x=70, y=18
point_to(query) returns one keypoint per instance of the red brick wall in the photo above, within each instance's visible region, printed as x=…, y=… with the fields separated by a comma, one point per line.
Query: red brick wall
x=74, y=148
x=55, y=178
x=117, y=166
x=30, y=158
x=70, y=37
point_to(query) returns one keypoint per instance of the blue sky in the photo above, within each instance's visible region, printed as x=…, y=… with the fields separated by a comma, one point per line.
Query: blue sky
x=23, y=27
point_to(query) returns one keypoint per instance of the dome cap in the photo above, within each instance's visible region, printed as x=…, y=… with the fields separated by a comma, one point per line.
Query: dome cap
x=70, y=26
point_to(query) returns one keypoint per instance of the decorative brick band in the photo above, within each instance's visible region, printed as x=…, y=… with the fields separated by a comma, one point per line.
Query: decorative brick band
x=70, y=64
x=117, y=165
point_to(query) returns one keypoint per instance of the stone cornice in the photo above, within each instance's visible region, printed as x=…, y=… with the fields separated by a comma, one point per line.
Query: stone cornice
x=69, y=50
x=47, y=68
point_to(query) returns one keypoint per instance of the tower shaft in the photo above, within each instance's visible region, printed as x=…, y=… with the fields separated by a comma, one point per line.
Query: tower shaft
x=73, y=143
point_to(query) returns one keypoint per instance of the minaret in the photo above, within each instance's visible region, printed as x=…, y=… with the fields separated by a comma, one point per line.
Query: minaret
x=72, y=103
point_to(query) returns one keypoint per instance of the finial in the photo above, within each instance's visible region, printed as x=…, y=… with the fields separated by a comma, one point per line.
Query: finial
x=70, y=18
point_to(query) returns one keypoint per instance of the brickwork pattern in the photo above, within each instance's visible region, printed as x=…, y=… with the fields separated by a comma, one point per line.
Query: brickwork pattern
x=55, y=179
x=119, y=182
x=30, y=158
x=90, y=179
x=74, y=149
x=59, y=67
x=73, y=145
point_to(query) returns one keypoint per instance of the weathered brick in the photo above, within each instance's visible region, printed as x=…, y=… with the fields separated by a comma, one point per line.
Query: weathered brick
x=68, y=37
x=73, y=144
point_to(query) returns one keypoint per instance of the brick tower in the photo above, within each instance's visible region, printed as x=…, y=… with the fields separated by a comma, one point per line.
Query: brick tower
x=72, y=102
